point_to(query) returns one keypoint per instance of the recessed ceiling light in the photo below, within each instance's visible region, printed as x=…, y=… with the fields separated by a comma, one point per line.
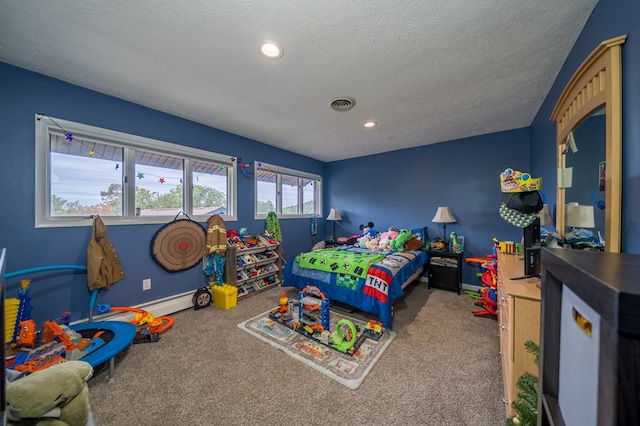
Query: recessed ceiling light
x=271, y=49
x=370, y=124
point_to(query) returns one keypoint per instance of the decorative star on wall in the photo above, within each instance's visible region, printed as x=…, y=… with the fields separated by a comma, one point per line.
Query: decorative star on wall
x=140, y=175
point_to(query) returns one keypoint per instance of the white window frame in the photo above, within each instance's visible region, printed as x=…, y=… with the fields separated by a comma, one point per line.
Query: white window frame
x=46, y=125
x=279, y=171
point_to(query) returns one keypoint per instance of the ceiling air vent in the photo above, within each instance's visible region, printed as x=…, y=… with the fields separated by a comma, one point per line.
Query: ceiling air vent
x=342, y=104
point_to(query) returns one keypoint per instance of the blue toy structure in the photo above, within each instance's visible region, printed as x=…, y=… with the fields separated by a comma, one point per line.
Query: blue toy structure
x=313, y=321
x=313, y=308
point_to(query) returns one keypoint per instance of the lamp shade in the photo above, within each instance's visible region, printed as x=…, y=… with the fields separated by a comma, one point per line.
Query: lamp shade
x=334, y=214
x=443, y=215
x=579, y=216
x=545, y=215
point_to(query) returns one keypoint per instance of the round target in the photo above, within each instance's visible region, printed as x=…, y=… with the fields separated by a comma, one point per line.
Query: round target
x=179, y=245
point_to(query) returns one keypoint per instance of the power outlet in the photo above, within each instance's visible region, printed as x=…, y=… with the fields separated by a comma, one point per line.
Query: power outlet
x=146, y=284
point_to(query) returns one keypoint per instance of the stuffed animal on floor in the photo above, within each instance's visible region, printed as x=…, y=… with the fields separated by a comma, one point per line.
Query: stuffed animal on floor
x=401, y=239
x=55, y=396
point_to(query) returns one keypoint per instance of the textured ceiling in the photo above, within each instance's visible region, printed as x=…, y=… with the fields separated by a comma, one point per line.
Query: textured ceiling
x=427, y=71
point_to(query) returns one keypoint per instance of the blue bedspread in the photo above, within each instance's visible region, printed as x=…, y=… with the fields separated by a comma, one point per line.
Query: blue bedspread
x=374, y=294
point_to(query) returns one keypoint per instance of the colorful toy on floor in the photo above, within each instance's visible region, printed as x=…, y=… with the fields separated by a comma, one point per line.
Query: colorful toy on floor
x=108, y=338
x=148, y=327
x=17, y=310
x=55, y=343
x=487, y=297
x=312, y=320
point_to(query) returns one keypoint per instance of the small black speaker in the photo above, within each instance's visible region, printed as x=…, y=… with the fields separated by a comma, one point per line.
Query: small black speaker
x=532, y=261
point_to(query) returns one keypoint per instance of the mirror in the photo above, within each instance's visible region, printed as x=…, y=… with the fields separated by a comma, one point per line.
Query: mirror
x=587, y=187
x=595, y=86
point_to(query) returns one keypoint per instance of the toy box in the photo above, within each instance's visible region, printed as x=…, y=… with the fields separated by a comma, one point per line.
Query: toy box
x=225, y=296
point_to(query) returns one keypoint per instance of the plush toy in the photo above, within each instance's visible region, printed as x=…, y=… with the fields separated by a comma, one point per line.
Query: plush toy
x=400, y=240
x=414, y=244
x=437, y=244
x=374, y=243
x=367, y=233
x=55, y=396
x=367, y=230
x=387, y=237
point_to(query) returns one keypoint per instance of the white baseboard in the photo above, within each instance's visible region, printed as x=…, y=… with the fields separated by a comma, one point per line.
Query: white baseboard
x=157, y=308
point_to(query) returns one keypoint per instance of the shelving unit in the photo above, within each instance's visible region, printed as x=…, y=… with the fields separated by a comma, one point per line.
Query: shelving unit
x=253, y=267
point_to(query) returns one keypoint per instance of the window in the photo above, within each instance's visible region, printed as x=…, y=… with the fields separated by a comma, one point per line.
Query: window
x=287, y=192
x=83, y=170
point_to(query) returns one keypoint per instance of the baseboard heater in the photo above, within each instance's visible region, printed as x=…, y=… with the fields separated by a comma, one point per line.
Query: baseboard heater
x=157, y=308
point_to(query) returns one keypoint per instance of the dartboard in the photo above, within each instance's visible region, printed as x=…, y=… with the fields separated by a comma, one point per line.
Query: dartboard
x=179, y=245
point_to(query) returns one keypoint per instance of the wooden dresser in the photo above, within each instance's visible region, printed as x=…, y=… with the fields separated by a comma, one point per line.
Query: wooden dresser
x=518, y=321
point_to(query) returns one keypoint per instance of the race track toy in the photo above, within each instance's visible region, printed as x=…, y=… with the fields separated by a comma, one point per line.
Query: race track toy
x=148, y=327
x=309, y=316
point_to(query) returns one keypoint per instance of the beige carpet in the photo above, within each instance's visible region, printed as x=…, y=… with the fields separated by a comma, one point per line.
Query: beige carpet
x=442, y=368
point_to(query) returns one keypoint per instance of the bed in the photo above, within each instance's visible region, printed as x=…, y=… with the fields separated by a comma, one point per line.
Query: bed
x=370, y=281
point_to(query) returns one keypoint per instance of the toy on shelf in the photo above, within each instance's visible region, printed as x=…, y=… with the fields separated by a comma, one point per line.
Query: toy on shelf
x=148, y=327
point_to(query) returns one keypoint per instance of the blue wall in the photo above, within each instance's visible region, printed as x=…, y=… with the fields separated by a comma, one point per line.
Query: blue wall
x=26, y=93
x=610, y=18
x=401, y=188
x=404, y=189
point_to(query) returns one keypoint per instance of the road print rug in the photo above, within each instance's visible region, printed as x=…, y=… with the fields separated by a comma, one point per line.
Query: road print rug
x=348, y=370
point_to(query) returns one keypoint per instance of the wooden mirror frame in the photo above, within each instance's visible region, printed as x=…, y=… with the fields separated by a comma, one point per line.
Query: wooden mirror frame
x=597, y=83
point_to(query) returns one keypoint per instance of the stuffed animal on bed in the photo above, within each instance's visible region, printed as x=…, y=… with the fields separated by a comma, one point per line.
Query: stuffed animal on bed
x=414, y=244
x=367, y=233
x=373, y=243
x=387, y=237
x=398, y=244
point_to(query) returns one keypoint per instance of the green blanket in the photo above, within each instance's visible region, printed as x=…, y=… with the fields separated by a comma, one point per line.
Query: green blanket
x=339, y=261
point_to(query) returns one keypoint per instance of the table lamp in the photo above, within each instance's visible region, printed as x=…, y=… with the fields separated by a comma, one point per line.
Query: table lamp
x=334, y=215
x=579, y=216
x=443, y=216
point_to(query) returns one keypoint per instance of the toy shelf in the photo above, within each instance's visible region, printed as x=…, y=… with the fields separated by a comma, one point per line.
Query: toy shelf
x=253, y=264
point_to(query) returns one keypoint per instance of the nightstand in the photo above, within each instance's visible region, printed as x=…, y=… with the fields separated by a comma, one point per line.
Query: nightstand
x=445, y=270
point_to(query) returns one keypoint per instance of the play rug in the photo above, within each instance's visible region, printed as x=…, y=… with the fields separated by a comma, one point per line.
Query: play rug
x=348, y=370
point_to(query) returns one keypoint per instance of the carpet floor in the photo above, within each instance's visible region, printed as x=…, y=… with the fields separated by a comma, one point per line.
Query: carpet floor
x=443, y=368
